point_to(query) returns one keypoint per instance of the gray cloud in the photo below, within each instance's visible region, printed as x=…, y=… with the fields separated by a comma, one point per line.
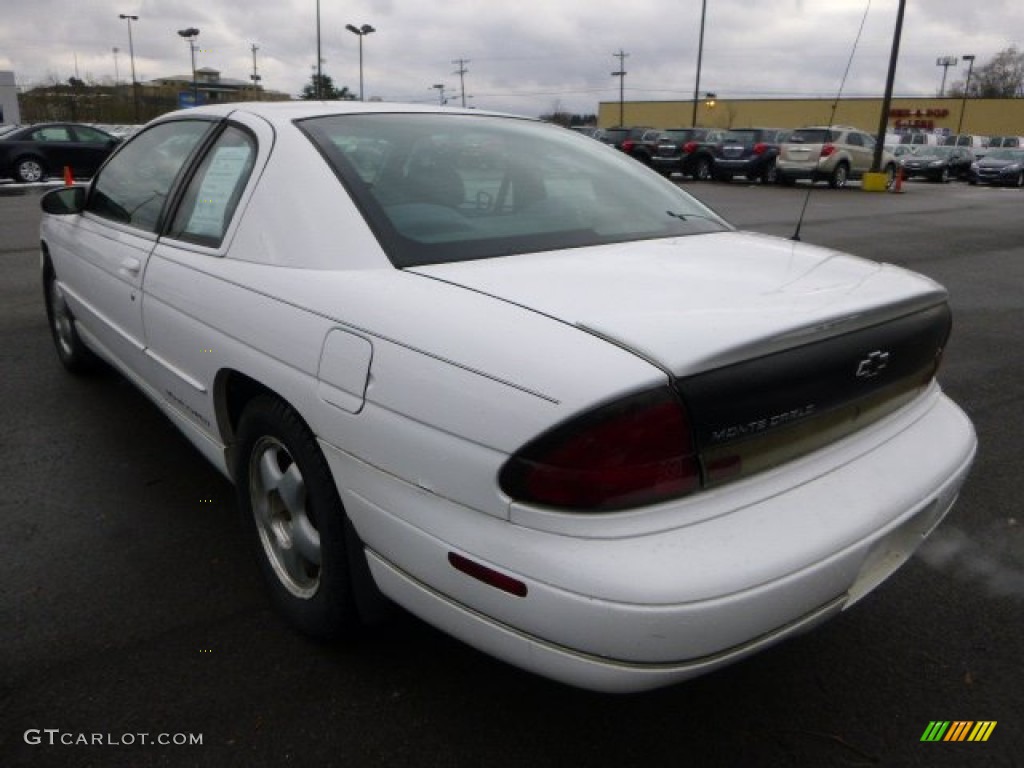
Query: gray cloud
x=524, y=56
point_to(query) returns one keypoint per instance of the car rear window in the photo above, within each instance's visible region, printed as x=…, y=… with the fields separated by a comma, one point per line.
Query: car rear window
x=811, y=136
x=438, y=188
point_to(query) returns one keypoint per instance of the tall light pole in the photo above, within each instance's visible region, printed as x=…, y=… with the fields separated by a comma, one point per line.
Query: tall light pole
x=362, y=32
x=190, y=34
x=969, y=58
x=621, y=74
x=883, y=119
x=131, y=51
x=700, y=56
x=117, y=74
x=319, y=57
x=945, y=62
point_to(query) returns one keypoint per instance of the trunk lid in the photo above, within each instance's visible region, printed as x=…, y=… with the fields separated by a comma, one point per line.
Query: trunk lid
x=705, y=301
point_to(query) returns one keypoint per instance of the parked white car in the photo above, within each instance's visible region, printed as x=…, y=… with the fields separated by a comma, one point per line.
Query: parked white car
x=512, y=380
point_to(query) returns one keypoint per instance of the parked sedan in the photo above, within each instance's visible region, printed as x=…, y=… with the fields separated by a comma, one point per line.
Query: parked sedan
x=937, y=163
x=548, y=402
x=34, y=152
x=1001, y=166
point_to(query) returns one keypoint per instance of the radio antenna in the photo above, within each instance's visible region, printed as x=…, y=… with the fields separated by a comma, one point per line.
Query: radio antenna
x=832, y=116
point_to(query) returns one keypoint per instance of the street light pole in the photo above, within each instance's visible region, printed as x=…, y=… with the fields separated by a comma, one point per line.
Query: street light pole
x=969, y=58
x=440, y=93
x=700, y=55
x=190, y=34
x=362, y=32
x=945, y=62
x=131, y=51
x=883, y=119
x=319, y=56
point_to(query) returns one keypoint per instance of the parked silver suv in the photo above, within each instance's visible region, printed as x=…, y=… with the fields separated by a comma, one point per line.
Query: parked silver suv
x=835, y=154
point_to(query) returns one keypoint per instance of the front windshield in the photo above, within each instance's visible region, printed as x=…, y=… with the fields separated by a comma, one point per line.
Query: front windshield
x=1013, y=155
x=438, y=188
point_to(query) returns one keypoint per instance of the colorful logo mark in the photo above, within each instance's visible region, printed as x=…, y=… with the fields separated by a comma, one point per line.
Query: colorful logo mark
x=958, y=730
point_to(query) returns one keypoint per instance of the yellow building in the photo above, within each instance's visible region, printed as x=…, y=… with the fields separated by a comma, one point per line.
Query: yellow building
x=985, y=117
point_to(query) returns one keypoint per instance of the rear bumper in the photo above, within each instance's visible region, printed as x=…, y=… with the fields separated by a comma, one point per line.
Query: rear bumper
x=747, y=167
x=799, y=171
x=740, y=568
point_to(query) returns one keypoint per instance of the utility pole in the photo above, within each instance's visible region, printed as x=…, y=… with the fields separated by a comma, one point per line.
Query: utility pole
x=621, y=74
x=255, y=74
x=117, y=75
x=461, y=72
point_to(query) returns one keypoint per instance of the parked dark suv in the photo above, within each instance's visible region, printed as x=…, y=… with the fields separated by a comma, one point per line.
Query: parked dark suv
x=678, y=149
x=749, y=152
x=638, y=142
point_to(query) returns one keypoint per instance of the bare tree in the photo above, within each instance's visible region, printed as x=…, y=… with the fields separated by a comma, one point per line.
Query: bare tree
x=1000, y=78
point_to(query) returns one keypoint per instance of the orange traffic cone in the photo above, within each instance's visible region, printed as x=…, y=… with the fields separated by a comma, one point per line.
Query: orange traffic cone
x=69, y=178
x=898, y=186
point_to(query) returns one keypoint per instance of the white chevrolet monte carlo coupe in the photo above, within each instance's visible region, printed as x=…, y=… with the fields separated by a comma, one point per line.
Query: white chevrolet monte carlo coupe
x=512, y=380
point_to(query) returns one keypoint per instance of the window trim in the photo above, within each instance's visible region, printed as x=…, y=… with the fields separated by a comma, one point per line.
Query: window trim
x=204, y=150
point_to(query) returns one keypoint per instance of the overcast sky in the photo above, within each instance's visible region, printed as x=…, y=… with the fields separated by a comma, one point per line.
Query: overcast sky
x=524, y=56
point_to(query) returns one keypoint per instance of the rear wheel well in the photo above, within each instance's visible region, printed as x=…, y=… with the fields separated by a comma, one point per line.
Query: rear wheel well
x=233, y=391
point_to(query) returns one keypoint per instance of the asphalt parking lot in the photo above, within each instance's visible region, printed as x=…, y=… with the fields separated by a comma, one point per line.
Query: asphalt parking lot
x=129, y=606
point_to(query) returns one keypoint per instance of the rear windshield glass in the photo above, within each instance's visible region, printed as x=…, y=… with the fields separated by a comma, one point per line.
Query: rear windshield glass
x=438, y=188
x=811, y=136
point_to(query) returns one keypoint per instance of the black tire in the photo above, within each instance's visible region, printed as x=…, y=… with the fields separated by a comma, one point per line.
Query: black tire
x=294, y=517
x=703, y=169
x=1019, y=182
x=890, y=176
x=29, y=169
x=71, y=350
x=769, y=174
x=944, y=176
x=839, y=176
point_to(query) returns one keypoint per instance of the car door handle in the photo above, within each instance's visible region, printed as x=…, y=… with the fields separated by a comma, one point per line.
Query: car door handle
x=132, y=265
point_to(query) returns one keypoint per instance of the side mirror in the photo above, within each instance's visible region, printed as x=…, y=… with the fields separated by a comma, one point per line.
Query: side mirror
x=64, y=201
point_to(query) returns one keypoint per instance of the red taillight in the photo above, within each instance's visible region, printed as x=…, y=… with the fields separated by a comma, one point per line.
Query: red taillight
x=760, y=148
x=627, y=145
x=636, y=451
x=689, y=147
x=827, y=150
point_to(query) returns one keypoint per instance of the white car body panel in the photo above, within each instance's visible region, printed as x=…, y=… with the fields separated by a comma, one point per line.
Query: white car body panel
x=419, y=384
x=703, y=301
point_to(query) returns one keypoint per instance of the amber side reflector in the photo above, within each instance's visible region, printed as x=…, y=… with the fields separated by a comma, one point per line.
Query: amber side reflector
x=488, y=576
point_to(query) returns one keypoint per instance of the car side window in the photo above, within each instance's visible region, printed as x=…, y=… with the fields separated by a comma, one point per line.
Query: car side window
x=855, y=140
x=134, y=184
x=213, y=193
x=91, y=135
x=52, y=133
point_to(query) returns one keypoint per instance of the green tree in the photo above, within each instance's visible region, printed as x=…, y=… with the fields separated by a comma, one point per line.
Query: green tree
x=1000, y=78
x=327, y=90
